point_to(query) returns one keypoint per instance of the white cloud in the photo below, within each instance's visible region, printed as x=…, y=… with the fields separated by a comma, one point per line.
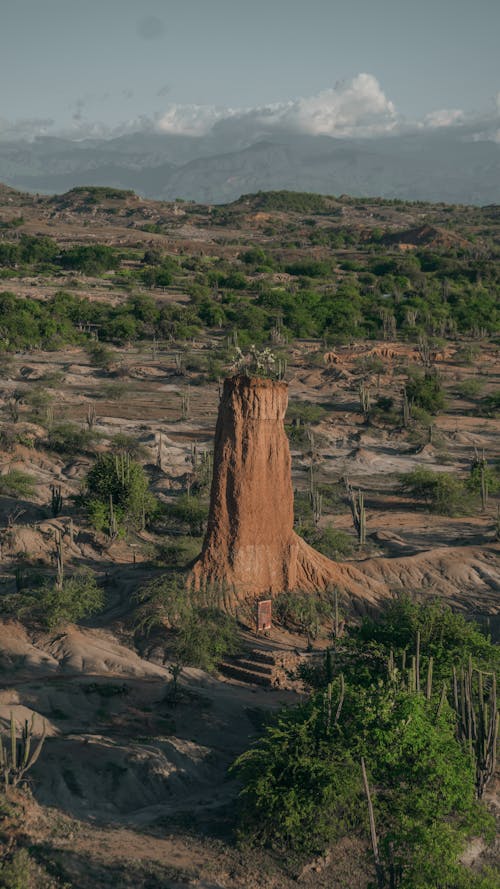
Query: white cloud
x=355, y=108
x=444, y=117
x=191, y=120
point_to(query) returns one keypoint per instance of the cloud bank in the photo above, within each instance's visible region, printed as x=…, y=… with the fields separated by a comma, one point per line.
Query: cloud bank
x=353, y=108
x=357, y=107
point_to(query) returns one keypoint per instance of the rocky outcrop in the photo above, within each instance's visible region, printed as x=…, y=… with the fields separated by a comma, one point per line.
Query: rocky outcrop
x=250, y=546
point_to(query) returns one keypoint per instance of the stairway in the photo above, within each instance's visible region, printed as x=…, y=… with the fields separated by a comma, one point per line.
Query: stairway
x=258, y=667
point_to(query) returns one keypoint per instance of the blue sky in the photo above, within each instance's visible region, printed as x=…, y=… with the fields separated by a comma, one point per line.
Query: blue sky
x=81, y=62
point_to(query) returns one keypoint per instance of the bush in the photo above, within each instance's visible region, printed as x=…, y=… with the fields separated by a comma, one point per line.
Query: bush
x=330, y=541
x=17, y=484
x=302, y=786
x=51, y=606
x=426, y=392
x=17, y=871
x=100, y=355
x=304, y=412
x=125, y=481
x=203, y=635
x=441, y=492
x=303, y=612
x=491, y=403
x=445, y=635
x=70, y=439
x=190, y=512
x=470, y=388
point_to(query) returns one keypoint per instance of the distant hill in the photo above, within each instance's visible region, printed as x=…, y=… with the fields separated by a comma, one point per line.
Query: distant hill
x=432, y=165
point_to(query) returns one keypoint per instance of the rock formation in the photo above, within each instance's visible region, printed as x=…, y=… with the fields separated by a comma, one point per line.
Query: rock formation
x=250, y=547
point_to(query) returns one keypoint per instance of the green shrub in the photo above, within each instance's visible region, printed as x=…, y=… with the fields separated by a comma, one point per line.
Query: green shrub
x=190, y=512
x=100, y=355
x=491, y=403
x=302, y=785
x=304, y=412
x=51, y=606
x=17, y=484
x=205, y=636
x=470, y=388
x=330, y=541
x=70, y=439
x=124, y=480
x=303, y=612
x=202, y=635
x=17, y=871
x=445, y=635
x=426, y=392
x=442, y=492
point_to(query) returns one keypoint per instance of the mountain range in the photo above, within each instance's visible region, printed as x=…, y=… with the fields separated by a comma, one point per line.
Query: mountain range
x=444, y=164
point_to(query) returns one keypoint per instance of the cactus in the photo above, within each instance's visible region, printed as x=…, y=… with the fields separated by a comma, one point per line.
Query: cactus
x=281, y=368
x=122, y=468
x=373, y=830
x=328, y=704
x=56, y=500
x=113, y=526
x=17, y=756
x=91, y=416
x=428, y=684
x=158, y=453
x=477, y=720
x=185, y=403
x=364, y=399
x=59, y=559
x=417, y=662
x=19, y=577
x=479, y=467
x=179, y=363
x=357, y=504
x=317, y=506
x=406, y=409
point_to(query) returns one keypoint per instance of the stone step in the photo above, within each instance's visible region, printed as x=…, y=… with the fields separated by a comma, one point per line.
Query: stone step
x=247, y=663
x=264, y=657
x=234, y=671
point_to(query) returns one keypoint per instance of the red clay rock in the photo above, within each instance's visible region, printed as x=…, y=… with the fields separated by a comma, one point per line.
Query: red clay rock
x=250, y=546
x=251, y=549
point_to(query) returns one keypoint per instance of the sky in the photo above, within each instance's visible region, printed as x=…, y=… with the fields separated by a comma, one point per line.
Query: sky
x=100, y=67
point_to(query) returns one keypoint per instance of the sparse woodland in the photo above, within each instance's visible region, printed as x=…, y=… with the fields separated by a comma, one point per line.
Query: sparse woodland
x=149, y=737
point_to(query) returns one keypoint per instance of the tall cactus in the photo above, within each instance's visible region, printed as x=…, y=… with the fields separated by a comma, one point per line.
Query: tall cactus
x=91, y=416
x=364, y=399
x=357, y=504
x=113, y=525
x=479, y=469
x=56, y=499
x=477, y=720
x=59, y=559
x=16, y=755
x=406, y=408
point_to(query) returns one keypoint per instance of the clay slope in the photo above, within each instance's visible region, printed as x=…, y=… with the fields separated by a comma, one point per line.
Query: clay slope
x=250, y=547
